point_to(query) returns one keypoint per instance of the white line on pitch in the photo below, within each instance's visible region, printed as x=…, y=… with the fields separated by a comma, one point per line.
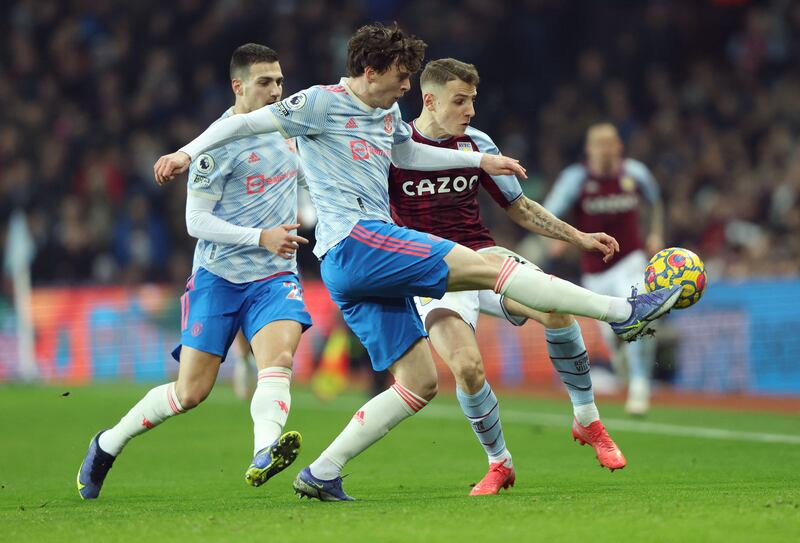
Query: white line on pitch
x=549, y=419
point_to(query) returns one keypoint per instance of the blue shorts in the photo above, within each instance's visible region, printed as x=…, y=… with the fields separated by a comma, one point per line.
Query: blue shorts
x=213, y=309
x=373, y=276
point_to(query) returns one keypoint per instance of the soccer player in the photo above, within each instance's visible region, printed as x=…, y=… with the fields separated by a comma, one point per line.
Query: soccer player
x=607, y=193
x=445, y=204
x=241, y=205
x=348, y=134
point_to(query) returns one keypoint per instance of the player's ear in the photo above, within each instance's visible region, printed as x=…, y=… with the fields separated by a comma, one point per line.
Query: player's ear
x=236, y=85
x=429, y=101
x=370, y=73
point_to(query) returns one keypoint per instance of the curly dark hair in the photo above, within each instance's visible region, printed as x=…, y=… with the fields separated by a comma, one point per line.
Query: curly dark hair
x=380, y=47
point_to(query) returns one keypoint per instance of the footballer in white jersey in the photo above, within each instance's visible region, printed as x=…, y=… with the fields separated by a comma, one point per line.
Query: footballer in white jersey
x=241, y=205
x=371, y=266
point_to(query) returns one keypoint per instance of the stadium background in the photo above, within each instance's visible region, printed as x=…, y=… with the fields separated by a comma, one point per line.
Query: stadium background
x=706, y=93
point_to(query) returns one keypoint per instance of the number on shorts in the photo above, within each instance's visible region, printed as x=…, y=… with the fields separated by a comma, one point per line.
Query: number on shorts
x=295, y=293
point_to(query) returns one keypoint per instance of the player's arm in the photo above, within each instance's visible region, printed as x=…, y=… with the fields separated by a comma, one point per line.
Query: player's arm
x=411, y=155
x=216, y=135
x=201, y=223
x=535, y=218
x=301, y=114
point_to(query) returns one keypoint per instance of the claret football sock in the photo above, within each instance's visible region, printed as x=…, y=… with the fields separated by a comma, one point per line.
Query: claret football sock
x=157, y=406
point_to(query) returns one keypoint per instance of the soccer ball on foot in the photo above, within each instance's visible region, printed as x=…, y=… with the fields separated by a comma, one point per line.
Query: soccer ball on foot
x=677, y=266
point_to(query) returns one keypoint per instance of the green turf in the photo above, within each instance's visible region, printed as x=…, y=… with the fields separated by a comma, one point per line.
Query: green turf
x=185, y=479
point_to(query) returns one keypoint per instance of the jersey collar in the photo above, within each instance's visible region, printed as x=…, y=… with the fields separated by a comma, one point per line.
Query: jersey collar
x=356, y=99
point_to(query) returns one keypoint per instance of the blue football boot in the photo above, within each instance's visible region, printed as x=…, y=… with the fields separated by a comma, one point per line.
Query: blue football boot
x=309, y=486
x=272, y=460
x=647, y=307
x=94, y=470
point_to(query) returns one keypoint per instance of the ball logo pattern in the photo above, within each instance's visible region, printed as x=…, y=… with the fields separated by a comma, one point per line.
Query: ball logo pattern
x=677, y=266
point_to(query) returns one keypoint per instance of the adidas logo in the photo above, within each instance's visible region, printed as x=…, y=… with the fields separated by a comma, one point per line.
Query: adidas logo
x=351, y=123
x=253, y=157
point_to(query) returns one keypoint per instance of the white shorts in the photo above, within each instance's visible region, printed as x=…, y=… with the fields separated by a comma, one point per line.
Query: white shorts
x=619, y=278
x=468, y=304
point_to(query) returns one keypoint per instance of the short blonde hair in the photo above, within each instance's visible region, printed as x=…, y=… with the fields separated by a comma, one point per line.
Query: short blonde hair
x=440, y=71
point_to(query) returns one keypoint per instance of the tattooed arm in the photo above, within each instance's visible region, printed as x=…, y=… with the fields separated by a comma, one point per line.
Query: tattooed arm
x=533, y=217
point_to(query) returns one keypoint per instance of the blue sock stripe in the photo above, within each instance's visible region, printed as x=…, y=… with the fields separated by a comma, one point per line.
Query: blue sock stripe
x=479, y=417
x=572, y=372
x=576, y=387
x=568, y=357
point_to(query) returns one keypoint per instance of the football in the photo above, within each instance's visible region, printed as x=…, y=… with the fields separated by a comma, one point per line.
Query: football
x=677, y=266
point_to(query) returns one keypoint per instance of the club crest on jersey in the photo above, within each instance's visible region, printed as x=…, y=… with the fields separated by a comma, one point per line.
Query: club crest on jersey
x=387, y=124
x=627, y=183
x=464, y=146
x=592, y=186
x=205, y=164
x=296, y=101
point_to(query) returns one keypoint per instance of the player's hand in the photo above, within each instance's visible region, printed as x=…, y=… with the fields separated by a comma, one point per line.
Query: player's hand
x=169, y=166
x=601, y=243
x=281, y=241
x=502, y=165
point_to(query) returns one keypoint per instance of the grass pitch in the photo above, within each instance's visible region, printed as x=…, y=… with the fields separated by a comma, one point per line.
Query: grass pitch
x=692, y=475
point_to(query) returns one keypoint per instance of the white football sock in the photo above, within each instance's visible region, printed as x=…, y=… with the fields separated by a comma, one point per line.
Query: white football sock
x=270, y=405
x=586, y=414
x=548, y=293
x=157, y=406
x=368, y=425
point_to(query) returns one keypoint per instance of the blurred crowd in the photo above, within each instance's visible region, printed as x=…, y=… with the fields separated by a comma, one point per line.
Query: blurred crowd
x=707, y=93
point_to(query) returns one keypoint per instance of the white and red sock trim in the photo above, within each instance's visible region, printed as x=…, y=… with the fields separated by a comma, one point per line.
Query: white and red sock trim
x=412, y=400
x=509, y=266
x=172, y=399
x=275, y=372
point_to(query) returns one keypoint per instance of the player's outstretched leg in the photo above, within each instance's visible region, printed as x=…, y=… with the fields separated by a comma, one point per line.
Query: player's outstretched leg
x=415, y=387
x=454, y=340
x=570, y=359
x=534, y=289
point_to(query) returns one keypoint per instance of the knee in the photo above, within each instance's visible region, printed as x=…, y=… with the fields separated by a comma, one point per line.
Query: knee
x=557, y=320
x=469, y=370
x=191, y=395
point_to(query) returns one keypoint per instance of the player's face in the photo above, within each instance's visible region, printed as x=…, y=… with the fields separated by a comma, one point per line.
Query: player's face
x=454, y=107
x=388, y=87
x=603, y=148
x=263, y=85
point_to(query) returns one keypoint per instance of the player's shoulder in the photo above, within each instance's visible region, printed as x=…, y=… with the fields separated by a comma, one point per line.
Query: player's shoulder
x=575, y=171
x=480, y=138
x=636, y=168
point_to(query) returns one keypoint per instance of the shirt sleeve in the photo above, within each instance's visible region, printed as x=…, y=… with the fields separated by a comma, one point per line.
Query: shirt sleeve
x=201, y=223
x=565, y=191
x=644, y=179
x=207, y=176
x=402, y=131
x=411, y=155
x=229, y=129
x=504, y=189
x=304, y=113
